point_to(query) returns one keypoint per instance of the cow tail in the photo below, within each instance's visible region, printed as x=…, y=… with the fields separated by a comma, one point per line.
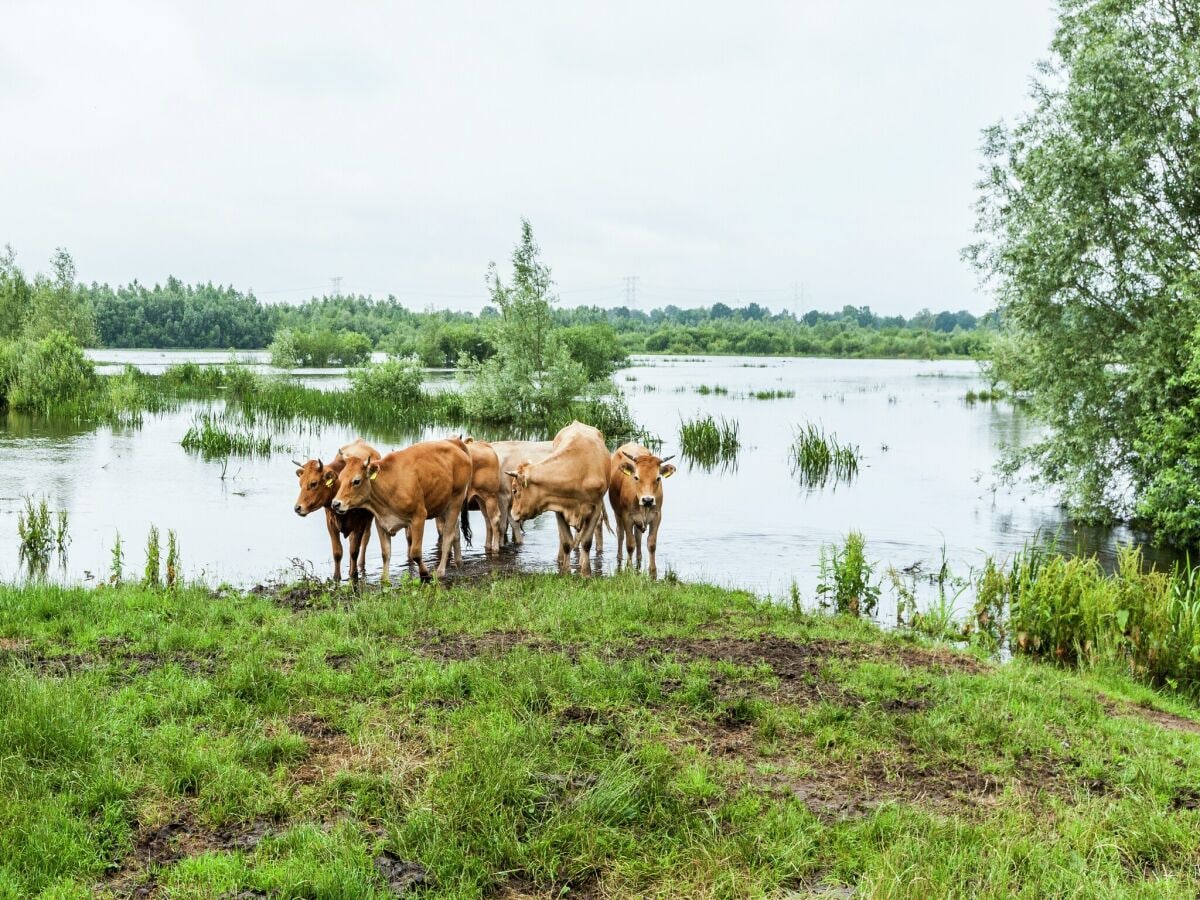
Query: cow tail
x=604, y=515
x=466, y=519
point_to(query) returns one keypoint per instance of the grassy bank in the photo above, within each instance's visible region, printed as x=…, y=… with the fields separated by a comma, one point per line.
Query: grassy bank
x=527, y=736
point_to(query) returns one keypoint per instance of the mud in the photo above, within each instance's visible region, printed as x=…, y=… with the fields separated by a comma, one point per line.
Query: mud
x=402, y=877
x=840, y=791
x=1159, y=717
x=329, y=751
x=114, y=656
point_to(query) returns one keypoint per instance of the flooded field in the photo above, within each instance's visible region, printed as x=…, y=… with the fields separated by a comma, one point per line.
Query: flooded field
x=926, y=484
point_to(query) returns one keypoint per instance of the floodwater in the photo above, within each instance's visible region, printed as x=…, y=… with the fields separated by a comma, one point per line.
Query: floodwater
x=926, y=487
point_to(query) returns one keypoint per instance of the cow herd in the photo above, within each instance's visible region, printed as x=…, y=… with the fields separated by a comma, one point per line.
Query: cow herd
x=509, y=482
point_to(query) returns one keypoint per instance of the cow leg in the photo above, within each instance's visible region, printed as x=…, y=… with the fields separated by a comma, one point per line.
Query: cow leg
x=364, y=539
x=335, y=542
x=565, y=543
x=385, y=550
x=638, y=531
x=491, y=511
x=603, y=520
x=587, y=533
x=652, y=542
x=416, y=534
x=447, y=526
x=354, y=539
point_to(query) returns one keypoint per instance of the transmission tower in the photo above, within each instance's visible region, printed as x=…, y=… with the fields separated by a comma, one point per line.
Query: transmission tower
x=631, y=284
x=337, y=285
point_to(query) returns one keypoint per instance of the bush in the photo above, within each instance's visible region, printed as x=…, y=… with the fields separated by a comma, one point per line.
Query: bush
x=53, y=371
x=319, y=348
x=397, y=381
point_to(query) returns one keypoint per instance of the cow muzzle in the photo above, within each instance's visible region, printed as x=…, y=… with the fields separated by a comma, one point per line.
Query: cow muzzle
x=337, y=506
x=300, y=510
x=648, y=502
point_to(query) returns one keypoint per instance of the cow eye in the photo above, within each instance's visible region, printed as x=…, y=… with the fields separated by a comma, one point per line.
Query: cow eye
x=637, y=478
x=659, y=478
x=312, y=485
x=357, y=482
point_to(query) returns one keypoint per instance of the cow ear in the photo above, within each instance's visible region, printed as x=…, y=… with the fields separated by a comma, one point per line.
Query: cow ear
x=626, y=469
x=330, y=478
x=373, y=471
x=300, y=473
x=666, y=471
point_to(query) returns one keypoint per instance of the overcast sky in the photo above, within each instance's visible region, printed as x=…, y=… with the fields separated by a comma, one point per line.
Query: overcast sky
x=717, y=151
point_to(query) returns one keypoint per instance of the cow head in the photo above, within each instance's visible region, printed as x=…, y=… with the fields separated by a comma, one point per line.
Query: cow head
x=527, y=497
x=355, y=483
x=647, y=472
x=318, y=484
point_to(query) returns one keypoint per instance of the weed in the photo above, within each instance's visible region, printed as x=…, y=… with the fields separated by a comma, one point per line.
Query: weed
x=173, y=564
x=152, y=576
x=845, y=582
x=116, y=567
x=775, y=394
x=705, y=390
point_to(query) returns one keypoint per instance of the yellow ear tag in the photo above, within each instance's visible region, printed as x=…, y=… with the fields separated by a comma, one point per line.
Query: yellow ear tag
x=329, y=481
x=373, y=475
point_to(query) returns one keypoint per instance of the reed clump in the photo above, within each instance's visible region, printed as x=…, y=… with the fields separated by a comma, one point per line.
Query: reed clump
x=707, y=440
x=817, y=457
x=212, y=438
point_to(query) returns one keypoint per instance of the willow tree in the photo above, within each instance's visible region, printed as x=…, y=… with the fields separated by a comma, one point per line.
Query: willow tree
x=1089, y=232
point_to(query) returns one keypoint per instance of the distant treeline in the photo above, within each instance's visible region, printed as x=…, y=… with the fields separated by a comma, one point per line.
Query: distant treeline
x=328, y=330
x=176, y=315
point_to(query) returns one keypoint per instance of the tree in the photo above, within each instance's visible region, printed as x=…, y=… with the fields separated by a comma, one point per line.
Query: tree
x=1089, y=222
x=532, y=374
x=58, y=304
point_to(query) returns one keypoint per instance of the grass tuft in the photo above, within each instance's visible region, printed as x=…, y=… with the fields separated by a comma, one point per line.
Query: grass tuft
x=818, y=458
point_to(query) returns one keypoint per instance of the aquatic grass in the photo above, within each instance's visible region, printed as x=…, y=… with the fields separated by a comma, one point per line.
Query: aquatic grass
x=174, y=567
x=35, y=531
x=116, y=565
x=772, y=394
x=817, y=458
x=717, y=389
x=984, y=395
x=708, y=441
x=212, y=439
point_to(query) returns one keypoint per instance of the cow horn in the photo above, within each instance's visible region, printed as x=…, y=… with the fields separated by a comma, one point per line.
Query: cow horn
x=666, y=458
x=629, y=456
x=320, y=466
x=298, y=465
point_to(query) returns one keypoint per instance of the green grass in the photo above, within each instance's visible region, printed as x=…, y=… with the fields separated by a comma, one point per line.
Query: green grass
x=709, y=441
x=718, y=389
x=818, y=458
x=542, y=735
x=984, y=395
x=772, y=394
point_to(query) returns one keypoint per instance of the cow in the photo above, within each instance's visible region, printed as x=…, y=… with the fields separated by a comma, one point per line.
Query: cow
x=511, y=454
x=484, y=494
x=570, y=482
x=318, y=487
x=429, y=480
x=636, y=494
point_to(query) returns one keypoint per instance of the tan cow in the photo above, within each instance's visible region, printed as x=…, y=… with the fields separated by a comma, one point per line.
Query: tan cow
x=484, y=494
x=636, y=495
x=511, y=454
x=318, y=487
x=570, y=482
x=428, y=480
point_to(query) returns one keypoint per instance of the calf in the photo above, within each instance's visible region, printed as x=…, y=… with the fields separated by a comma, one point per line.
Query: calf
x=570, y=482
x=429, y=480
x=318, y=487
x=636, y=495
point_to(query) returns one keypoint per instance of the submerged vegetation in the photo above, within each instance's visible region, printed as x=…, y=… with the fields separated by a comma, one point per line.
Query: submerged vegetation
x=846, y=583
x=817, y=457
x=41, y=534
x=709, y=441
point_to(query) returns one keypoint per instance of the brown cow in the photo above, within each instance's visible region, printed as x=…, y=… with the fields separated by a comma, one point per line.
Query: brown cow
x=484, y=494
x=635, y=492
x=570, y=482
x=428, y=480
x=318, y=487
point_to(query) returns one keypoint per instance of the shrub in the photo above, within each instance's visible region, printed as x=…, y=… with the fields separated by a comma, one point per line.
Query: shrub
x=53, y=371
x=397, y=381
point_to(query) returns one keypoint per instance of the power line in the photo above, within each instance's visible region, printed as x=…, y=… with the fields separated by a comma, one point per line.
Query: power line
x=631, y=288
